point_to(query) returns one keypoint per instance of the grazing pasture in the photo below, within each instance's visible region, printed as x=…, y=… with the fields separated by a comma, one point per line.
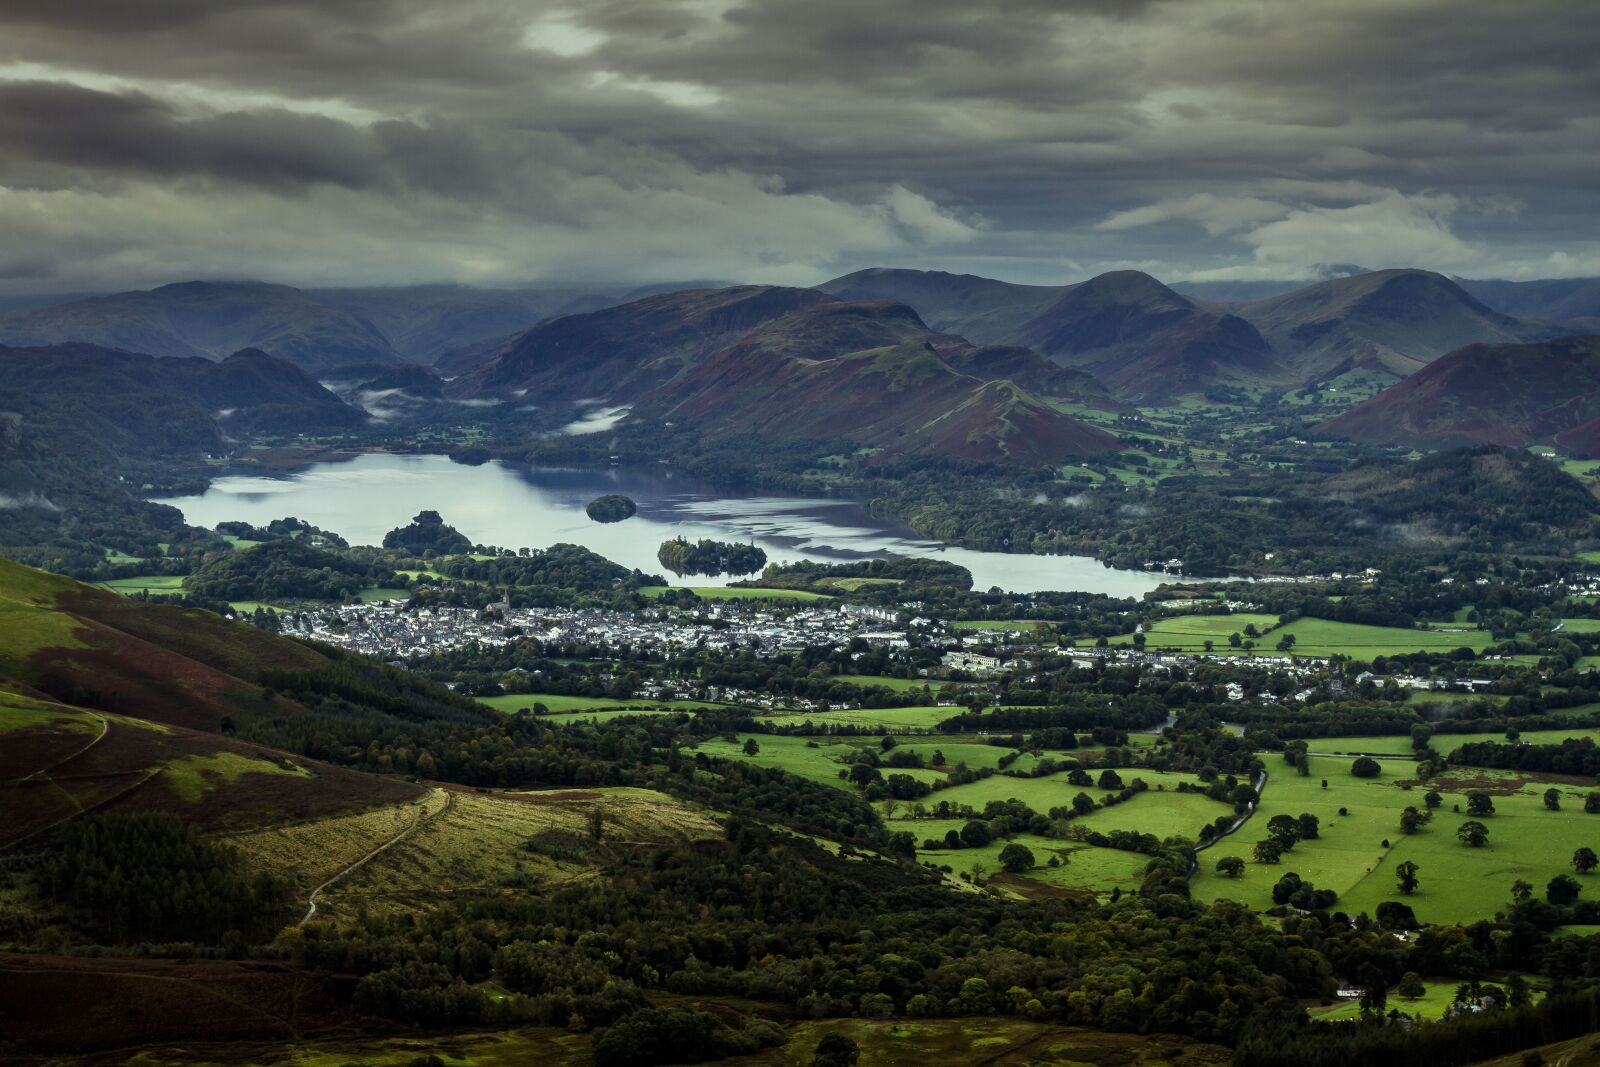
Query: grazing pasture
x=1356, y=853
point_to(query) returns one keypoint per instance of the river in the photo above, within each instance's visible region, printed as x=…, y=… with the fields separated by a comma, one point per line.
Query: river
x=514, y=506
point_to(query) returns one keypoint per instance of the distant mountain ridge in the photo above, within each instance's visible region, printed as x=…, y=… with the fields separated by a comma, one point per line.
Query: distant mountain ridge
x=1148, y=341
x=1392, y=320
x=1504, y=394
x=132, y=403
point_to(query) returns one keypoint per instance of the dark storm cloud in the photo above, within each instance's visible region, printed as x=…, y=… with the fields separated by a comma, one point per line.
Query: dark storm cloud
x=496, y=140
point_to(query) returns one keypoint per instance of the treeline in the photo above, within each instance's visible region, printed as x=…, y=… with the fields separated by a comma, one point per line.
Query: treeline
x=286, y=569
x=561, y=566
x=152, y=877
x=710, y=557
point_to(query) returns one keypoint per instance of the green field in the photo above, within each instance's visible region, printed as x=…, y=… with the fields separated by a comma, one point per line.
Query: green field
x=891, y=720
x=1444, y=743
x=899, y=685
x=1320, y=637
x=1083, y=867
x=1006, y=625
x=562, y=705
x=155, y=584
x=1458, y=883
x=712, y=592
x=1160, y=812
x=1313, y=637
x=1189, y=633
x=819, y=759
x=1431, y=1005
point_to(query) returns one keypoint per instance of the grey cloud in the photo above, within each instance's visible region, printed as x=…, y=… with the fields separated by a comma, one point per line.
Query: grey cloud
x=1035, y=139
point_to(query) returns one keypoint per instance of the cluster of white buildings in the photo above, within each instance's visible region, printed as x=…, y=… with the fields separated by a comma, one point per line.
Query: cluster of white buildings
x=390, y=631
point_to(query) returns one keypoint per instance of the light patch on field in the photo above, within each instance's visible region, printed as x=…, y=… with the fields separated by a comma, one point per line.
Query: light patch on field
x=309, y=853
x=495, y=842
x=192, y=777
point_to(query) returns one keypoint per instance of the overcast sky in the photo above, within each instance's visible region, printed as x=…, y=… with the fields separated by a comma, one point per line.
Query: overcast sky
x=328, y=142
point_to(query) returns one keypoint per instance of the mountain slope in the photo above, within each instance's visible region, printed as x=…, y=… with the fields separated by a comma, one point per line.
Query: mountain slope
x=1027, y=369
x=79, y=394
x=902, y=398
x=1146, y=342
x=1548, y=299
x=982, y=309
x=208, y=319
x=1504, y=394
x=113, y=704
x=1391, y=320
x=618, y=353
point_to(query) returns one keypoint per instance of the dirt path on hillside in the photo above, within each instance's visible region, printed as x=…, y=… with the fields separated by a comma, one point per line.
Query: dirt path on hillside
x=422, y=817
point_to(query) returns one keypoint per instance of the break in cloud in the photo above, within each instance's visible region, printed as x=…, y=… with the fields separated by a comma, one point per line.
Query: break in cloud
x=337, y=142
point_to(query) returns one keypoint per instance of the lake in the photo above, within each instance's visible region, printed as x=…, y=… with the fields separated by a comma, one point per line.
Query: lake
x=513, y=505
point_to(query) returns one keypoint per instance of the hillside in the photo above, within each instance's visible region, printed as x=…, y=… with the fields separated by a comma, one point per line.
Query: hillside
x=209, y=319
x=86, y=396
x=114, y=704
x=902, y=398
x=618, y=353
x=1548, y=299
x=1147, y=343
x=984, y=310
x=1506, y=394
x=1395, y=321
x=1028, y=369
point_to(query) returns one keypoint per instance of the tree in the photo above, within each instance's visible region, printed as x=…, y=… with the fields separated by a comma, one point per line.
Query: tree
x=1230, y=866
x=1473, y=833
x=751, y=747
x=1366, y=767
x=1563, y=890
x=1411, y=821
x=1432, y=799
x=1083, y=803
x=836, y=1050
x=1591, y=804
x=1411, y=986
x=1552, y=799
x=1479, y=804
x=976, y=834
x=1374, y=991
x=1284, y=830
x=1110, y=779
x=1310, y=826
x=1584, y=860
x=1407, y=873
x=1016, y=858
x=1268, y=851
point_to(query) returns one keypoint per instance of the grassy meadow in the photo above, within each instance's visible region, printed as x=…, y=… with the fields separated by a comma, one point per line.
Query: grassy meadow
x=1457, y=883
x=1313, y=637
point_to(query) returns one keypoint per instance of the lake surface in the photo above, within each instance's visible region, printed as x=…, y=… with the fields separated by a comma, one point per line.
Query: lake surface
x=514, y=506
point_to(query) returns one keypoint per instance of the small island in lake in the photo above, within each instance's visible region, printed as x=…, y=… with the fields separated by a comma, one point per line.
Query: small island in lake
x=710, y=557
x=613, y=507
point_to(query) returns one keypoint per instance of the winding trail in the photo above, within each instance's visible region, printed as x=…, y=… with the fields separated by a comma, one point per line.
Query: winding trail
x=423, y=816
x=105, y=728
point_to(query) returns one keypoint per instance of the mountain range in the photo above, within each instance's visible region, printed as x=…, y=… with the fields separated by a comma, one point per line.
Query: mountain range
x=891, y=358
x=801, y=363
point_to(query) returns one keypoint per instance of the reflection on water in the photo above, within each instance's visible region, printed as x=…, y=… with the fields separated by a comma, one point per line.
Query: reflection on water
x=515, y=506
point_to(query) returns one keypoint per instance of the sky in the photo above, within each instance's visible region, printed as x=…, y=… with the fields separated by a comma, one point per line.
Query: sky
x=498, y=142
